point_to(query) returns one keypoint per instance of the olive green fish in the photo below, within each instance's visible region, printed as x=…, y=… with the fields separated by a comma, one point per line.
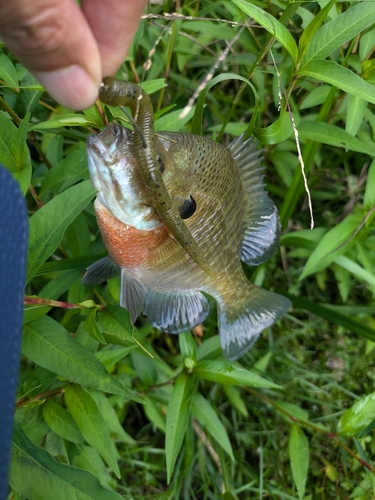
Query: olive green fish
x=219, y=196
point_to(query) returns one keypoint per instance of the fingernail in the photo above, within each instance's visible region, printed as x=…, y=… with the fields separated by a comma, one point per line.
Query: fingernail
x=71, y=87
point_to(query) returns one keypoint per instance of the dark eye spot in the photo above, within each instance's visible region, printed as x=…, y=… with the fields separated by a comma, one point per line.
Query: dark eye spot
x=161, y=165
x=188, y=208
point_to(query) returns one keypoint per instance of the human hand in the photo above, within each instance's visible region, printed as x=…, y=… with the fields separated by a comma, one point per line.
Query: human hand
x=70, y=48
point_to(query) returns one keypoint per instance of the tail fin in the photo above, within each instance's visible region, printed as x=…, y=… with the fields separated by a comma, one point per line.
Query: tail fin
x=241, y=326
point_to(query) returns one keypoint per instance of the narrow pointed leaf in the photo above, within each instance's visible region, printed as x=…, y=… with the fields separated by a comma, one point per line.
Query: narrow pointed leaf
x=49, y=345
x=340, y=30
x=207, y=416
x=70, y=170
x=177, y=419
x=224, y=372
x=272, y=25
x=90, y=460
x=61, y=422
x=358, y=417
x=354, y=114
x=299, y=458
x=340, y=77
x=8, y=72
x=111, y=417
x=47, y=225
x=35, y=475
x=333, y=244
x=91, y=423
x=334, y=316
x=277, y=132
x=334, y=136
x=314, y=26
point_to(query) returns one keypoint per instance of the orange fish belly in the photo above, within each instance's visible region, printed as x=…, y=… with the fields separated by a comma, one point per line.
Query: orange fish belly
x=128, y=246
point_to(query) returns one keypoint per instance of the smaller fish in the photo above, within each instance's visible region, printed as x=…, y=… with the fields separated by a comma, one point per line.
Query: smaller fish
x=219, y=194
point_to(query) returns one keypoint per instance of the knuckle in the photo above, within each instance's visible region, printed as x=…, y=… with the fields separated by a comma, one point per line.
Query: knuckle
x=40, y=33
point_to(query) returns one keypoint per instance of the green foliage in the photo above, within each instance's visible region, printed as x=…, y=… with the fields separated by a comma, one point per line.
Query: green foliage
x=107, y=410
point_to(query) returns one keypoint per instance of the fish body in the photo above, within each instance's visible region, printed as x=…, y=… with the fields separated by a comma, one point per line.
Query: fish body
x=218, y=192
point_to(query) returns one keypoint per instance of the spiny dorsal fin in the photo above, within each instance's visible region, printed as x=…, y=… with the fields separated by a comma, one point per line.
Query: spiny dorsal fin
x=261, y=221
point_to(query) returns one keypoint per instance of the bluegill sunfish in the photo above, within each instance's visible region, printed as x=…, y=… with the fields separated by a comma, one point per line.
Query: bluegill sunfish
x=219, y=194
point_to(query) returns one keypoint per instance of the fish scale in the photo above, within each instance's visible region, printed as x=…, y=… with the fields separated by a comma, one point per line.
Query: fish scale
x=233, y=219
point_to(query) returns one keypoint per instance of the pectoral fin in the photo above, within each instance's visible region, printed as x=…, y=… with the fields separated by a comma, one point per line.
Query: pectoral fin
x=102, y=270
x=176, y=312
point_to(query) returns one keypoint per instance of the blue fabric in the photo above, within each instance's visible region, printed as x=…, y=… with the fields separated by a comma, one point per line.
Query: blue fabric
x=13, y=247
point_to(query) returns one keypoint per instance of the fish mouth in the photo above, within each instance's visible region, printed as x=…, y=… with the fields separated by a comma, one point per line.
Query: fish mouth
x=115, y=175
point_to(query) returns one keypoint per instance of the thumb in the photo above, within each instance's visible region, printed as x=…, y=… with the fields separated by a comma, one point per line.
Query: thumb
x=53, y=40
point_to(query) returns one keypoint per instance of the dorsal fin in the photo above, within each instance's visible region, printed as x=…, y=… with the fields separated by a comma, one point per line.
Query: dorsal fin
x=261, y=221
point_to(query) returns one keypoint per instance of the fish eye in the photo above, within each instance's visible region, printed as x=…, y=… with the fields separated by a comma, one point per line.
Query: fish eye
x=161, y=165
x=188, y=208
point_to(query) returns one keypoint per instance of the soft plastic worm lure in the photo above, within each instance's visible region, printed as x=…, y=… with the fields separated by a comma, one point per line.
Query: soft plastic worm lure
x=119, y=93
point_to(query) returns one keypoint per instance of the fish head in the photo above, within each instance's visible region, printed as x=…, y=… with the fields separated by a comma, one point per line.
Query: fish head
x=114, y=173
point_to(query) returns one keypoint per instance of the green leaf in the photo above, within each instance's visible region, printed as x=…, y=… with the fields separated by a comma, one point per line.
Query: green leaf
x=115, y=321
x=358, y=417
x=272, y=25
x=210, y=348
x=313, y=26
x=354, y=114
x=67, y=172
x=340, y=77
x=91, y=423
x=177, y=419
x=333, y=244
x=111, y=418
x=48, y=224
x=152, y=86
x=112, y=355
x=355, y=269
x=48, y=344
x=68, y=120
x=224, y=372
x=154, y=413
x=8, y=72
x=61, y=422
x=279, y=131
x=299, y=458
x=369, y=196
x=90, y=460
x=144, y=367
x=207, y=417
x=332, y=315
x=173, y=122
x=234, y=396
x=340, y=30
x=35, y=475
x=334, y=136
x=187, y=346
x=92, y=328
x=196, y=127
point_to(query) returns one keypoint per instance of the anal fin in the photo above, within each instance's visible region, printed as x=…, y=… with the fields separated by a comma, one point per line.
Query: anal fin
x=133, y=293
x=176, y=312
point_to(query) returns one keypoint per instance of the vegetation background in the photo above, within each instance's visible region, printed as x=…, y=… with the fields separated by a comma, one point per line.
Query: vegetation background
x=105, y=412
